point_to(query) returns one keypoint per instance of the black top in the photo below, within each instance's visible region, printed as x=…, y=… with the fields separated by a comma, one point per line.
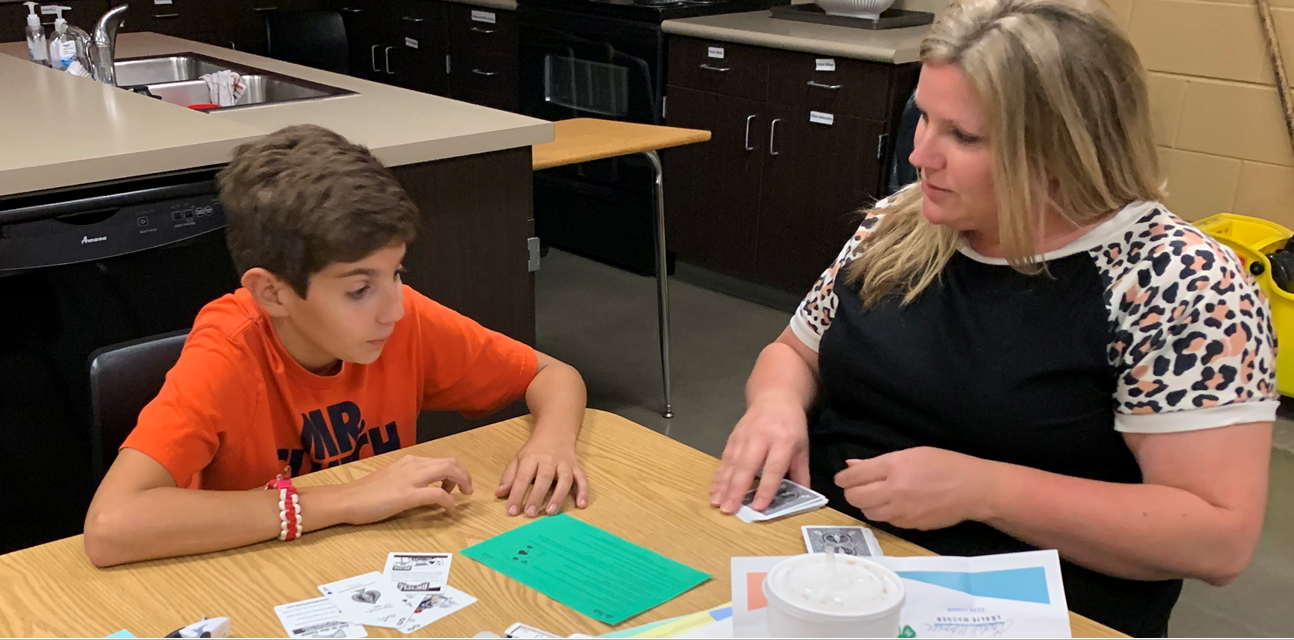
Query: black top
x=1143, y=325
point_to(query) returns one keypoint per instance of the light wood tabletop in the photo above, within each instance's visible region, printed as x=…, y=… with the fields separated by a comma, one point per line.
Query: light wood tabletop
x=646, y=488
x=585, y=139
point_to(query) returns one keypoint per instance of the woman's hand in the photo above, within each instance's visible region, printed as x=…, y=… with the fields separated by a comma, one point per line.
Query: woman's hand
x=921, y=488
x=543, y=463
x=774, y=436
x=403, y=485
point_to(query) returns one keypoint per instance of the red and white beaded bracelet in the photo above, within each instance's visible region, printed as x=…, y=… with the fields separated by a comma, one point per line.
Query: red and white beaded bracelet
x=289, y=508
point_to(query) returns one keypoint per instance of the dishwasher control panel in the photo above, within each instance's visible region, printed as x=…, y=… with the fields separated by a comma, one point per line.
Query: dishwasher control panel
x=97, y=235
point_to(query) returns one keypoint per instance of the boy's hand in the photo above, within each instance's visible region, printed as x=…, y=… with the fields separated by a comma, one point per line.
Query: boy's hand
x=403, y=485
x=540, y=464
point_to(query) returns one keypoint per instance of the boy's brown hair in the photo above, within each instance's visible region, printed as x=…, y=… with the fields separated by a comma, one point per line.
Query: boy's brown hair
x=303, y=198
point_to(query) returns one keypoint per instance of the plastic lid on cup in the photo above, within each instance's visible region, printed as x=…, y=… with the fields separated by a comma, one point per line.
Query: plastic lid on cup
x=836, y=585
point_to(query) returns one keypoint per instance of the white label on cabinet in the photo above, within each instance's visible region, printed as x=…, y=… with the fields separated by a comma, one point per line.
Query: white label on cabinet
x=819, y=117
x=161, y=1
x=716, y=52
x=483, y=16
x=411, y=43
x=825, y=64
x=48, y=9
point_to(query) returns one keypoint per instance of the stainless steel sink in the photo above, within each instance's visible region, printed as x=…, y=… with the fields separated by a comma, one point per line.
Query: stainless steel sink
x=177, y=79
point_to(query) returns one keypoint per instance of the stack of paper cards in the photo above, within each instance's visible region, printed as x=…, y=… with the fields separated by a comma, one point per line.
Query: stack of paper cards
x=411, y=594
x=791, y=499
x=851, y=541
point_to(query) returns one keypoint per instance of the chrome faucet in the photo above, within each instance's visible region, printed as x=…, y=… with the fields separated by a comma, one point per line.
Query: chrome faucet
x=100, y=45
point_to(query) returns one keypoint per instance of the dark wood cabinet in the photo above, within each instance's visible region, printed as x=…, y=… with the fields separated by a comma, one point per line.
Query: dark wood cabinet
x=798, y=146
x=713, y=189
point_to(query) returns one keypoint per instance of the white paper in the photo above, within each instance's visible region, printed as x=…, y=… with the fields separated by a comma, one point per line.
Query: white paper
x=818, y=117
x=161, y=1
x=824, y=64
x=369, y=599
x=483, y=16
x=715, y=52
x=749, y=607
x=48, y=9
x=434, y=606
x=518, y=630
x=935, y=611
x=418, y=572
x=720, y=629
x=411, y=43
x=316, y=618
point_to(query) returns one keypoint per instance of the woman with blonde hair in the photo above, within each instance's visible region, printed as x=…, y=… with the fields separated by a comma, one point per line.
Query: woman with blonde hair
x=1024, y=348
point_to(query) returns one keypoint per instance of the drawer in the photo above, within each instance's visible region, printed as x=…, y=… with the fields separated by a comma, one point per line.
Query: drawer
x=718, y=67
x=425, y=21
x=477, y=29
x=831, y=85
x=485, y=79
x=179, y=17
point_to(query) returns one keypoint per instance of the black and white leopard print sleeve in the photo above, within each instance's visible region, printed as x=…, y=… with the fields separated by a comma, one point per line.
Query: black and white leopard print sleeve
x=818, y=308
x=1191, y=339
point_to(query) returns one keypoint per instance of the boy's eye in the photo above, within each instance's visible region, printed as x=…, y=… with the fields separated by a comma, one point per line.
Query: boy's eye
x=359, y=293
x=401, y=273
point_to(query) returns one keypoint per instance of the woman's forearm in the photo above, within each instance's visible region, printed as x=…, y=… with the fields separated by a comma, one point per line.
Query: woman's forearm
x=169, y=521
x=1135, y=531
x=781, y=372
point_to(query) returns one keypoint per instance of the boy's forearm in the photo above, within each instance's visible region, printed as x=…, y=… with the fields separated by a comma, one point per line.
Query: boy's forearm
x=167, y=521
x=557, y=398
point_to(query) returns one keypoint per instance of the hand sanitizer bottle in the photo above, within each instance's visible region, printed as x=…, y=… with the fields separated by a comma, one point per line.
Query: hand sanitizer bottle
x=63, y=49
x=36, y=50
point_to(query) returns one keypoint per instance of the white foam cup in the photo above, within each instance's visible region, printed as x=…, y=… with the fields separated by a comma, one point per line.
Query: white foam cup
x=828, y=595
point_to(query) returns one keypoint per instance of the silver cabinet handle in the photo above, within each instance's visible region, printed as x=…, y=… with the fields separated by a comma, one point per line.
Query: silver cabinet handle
x=350, y=10
x=480, y=30
x=748, y=119
x=269, y=8
x=485, y=73
x=447, y=72
x=710, y=68
x=386, y=53
x=162, y=16
x=233, y=45
x=772, y=137
x=833, y=87
x=372, y=57
x=412, y=19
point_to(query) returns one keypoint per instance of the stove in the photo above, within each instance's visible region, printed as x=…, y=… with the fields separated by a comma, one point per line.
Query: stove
x=602, y=59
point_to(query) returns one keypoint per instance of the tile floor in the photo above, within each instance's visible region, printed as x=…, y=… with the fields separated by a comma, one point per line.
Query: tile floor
x=603, y=321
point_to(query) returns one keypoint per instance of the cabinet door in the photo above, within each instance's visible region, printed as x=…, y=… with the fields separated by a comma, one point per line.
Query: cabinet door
x=712, y=189
x=422, y=42
x=362, y=25
x=816, y=176
x=485, y=79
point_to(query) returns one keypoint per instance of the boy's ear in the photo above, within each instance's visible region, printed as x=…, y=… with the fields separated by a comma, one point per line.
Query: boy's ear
x=271, y=293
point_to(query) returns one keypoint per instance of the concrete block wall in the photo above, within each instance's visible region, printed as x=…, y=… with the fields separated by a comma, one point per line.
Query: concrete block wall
x=1217, y=115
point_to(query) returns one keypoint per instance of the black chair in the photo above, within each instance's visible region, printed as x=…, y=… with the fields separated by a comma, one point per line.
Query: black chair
x=123, y=378
x=314, y=38
x=902, y=173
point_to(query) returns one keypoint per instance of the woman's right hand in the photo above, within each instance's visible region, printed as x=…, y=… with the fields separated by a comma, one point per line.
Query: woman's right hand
x=403, y=485
x=774, y=436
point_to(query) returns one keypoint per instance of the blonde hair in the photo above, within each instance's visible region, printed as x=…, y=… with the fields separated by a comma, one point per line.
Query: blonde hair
x=1068, y=121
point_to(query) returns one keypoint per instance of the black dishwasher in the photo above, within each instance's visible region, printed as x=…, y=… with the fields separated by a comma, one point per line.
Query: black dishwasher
x=80, y=270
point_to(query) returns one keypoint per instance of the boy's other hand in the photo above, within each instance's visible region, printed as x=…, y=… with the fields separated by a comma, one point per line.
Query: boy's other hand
x=403, y=485
x=541, y=464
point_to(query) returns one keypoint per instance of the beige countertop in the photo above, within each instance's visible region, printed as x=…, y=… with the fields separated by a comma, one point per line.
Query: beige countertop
x=60, y=131
x=758, y=28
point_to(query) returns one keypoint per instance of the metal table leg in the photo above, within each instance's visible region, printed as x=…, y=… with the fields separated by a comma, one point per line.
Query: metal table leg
x=662, y=279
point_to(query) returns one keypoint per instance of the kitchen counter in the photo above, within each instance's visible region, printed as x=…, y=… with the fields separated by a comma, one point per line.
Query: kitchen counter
x=61, y=131
x=758, y=28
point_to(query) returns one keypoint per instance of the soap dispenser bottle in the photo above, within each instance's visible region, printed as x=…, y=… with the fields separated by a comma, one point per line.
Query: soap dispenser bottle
x=36, y=51
x=64, y=46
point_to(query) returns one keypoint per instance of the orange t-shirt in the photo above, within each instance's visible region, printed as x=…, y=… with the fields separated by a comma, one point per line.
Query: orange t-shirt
x=237, y=408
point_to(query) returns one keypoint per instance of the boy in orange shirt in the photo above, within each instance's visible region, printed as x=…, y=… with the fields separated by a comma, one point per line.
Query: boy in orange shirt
x=321, y=358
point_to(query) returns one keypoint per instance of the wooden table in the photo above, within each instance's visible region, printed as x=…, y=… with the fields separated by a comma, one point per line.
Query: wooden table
x=646, y=488
x=585, y=139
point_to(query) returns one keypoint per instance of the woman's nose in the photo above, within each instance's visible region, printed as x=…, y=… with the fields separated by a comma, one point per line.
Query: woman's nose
x=925, y=156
